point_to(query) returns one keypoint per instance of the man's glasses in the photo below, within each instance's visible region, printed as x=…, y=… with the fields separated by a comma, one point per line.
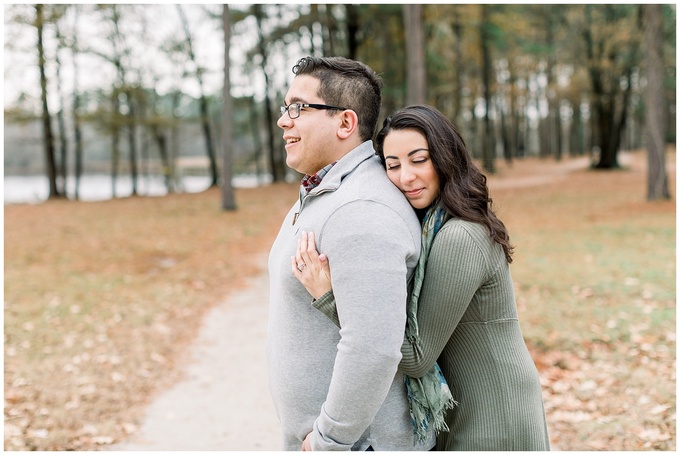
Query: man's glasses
x=294, y=109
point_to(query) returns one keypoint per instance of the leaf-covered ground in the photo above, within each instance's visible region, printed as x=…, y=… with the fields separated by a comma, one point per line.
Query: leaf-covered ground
x=102, y=298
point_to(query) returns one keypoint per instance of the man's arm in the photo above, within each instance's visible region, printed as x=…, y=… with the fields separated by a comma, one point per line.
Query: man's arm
x=369, y=245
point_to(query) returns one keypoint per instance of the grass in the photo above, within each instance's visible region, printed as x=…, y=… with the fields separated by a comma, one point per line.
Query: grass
x=595, y=277
x=102, y=298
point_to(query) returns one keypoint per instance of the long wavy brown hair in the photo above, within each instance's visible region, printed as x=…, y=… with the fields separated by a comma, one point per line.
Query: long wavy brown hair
x=463, y=191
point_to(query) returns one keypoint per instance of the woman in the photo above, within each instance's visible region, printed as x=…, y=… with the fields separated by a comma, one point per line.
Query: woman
x=466, y=315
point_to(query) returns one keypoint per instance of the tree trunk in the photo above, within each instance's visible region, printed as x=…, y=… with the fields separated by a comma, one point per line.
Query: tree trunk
x=352, y=31
x=553, y=132
x=203, y=101
x=512, y=132
x=115, y=152
x=77, y=134
x=655, y=112
x=228, y=199
x=277, y=166
x=329, y=31
x=162, y=143
x=174, y=139
x=61, y=123
x=132, y=143
x=415, y=54
x=487, y=136
x=254, y=122
x=48, y=138
x=207, y=134
x=457, y=28
x=609, y=103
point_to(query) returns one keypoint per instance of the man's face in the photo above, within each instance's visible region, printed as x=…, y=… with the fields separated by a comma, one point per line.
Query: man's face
x=311, y=139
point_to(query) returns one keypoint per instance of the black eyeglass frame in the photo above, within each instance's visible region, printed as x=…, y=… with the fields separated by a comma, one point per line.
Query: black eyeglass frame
x=284, y=109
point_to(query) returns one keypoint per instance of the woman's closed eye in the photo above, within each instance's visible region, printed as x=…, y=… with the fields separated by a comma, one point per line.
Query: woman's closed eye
x=417, y=161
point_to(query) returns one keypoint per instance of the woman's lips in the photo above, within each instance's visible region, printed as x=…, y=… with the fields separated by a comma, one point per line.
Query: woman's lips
x=413, y=193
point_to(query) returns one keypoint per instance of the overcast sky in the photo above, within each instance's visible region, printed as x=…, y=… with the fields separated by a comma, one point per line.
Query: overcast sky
x=20, y=53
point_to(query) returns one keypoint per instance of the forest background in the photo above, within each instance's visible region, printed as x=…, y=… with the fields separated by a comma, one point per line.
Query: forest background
x=136, y=92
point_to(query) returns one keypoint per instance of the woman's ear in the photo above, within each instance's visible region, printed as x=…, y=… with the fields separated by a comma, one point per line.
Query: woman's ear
x=349, y=124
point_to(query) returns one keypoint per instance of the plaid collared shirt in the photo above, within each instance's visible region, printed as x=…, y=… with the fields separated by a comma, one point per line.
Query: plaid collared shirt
x=309, y=182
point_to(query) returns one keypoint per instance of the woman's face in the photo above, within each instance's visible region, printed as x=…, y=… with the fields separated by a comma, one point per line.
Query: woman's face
x=409, y=167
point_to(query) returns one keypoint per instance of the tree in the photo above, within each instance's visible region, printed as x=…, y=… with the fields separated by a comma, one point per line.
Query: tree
x=277, y=165
x=611, y=38
x=655, y=109
x=521, y=65
x=353, y=40
x=228, y=200
x=120, y=58
x=415, y=54
x=58, y=12
x=77, y=130
x=203, y=100
x=48, y=137
x=487, y=136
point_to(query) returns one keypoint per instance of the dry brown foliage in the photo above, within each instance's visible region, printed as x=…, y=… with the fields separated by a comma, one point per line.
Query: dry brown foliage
x=102, y=298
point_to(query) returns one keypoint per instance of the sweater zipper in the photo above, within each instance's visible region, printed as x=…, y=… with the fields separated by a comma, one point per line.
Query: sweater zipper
x=302, y=202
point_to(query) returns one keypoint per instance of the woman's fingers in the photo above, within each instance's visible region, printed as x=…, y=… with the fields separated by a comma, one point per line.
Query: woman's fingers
x=294, y=267
x=307, y=258
x=300, y=251
x=308, y=246
x=323, y=262
x=309, y=267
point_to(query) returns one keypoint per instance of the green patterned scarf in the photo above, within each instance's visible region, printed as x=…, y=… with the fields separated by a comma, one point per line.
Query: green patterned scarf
x=429, y=396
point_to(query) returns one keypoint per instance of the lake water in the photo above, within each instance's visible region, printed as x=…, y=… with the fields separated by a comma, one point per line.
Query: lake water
x=35, y=189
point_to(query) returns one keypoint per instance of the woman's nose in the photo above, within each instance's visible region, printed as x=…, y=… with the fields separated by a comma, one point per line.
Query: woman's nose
x=407, y=176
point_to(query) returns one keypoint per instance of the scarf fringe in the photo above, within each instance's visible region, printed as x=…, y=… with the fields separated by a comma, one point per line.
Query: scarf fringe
x=429, y=399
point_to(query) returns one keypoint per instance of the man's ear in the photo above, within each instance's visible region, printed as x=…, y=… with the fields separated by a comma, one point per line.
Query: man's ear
x=349, y=124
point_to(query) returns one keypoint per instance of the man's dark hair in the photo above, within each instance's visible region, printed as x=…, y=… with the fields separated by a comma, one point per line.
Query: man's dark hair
x=349, y=84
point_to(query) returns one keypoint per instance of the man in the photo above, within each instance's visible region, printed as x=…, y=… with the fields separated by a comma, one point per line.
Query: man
x=339, y=389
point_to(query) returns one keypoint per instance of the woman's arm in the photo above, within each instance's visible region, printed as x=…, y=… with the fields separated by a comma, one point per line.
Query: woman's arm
x=456, y=268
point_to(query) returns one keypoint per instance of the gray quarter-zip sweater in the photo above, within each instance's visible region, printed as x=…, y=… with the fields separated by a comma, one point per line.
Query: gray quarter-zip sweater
x=342, y=385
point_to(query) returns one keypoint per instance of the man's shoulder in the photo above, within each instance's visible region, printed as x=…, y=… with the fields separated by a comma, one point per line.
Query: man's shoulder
x=368, y=181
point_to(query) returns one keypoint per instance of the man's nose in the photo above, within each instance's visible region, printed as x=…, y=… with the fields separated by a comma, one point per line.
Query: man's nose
x=284, y=121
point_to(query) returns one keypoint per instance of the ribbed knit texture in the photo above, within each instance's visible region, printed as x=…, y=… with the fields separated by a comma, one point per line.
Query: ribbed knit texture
x=467, y=312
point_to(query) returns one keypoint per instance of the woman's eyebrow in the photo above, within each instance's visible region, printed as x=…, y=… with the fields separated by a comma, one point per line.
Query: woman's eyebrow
x=409, y=153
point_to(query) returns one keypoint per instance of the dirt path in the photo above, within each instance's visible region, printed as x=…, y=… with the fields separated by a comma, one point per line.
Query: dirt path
x=223, y=403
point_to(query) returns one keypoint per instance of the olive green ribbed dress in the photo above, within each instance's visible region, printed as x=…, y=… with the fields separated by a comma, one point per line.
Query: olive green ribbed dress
x=467, y=313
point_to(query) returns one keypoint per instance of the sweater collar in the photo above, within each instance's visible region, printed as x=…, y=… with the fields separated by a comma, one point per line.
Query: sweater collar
x=345, y=165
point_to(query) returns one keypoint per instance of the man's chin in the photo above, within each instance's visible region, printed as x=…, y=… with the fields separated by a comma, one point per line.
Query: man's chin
x=295, y=165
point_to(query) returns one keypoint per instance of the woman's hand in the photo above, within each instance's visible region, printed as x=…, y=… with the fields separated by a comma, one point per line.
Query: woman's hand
x=306, y=445
x=310, y=267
